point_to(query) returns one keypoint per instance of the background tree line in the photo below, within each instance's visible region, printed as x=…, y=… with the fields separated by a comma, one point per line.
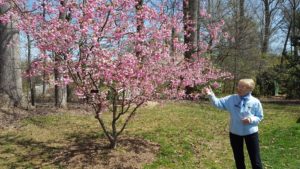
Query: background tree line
x=253, y=48
x=264, y=44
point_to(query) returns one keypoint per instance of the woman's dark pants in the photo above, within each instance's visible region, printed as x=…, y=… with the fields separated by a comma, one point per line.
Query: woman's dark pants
x=252, y=143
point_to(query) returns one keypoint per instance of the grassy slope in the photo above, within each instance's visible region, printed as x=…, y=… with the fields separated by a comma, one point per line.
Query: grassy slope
x=191, y=135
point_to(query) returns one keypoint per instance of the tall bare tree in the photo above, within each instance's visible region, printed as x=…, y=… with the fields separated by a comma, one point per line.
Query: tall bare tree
x=289, y=10
x=267, y=22
x=239, y=53
x=271, y=8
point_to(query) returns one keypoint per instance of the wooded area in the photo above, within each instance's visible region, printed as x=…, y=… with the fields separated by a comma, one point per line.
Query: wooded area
x=262, y=43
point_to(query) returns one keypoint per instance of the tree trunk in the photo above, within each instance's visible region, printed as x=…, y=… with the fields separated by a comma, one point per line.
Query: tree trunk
x=190, y=12
x=240, y=15
x=294, y=7
x=10, y=67
x=30, y=80
x=190, y=18
x=60, y=91
x=44, y=72
x=267, y=21
x=139, y=28
x=242, y=9
x=284, y=53
x=172, y=47
x=198, y=30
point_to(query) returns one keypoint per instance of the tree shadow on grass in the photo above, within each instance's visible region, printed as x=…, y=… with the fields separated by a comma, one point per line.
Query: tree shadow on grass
x=79, y=150
x=84, y=150
x=18, y=152
x=9, y=116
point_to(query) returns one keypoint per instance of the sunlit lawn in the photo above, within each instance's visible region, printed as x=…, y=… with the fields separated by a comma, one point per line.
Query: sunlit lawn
x=190, y=135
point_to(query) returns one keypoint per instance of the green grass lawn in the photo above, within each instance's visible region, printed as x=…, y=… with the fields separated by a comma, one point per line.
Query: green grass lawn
x=190, y=135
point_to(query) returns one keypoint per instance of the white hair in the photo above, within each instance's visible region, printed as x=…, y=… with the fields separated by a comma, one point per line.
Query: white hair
x=249, y=83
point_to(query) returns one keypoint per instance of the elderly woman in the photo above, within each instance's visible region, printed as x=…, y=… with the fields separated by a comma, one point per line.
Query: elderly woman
x=245, y=114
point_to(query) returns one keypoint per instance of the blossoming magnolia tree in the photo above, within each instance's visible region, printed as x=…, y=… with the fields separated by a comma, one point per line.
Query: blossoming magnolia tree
x=117, y=53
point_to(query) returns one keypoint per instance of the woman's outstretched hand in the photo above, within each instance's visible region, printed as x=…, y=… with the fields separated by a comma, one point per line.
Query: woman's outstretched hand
x=207, y=90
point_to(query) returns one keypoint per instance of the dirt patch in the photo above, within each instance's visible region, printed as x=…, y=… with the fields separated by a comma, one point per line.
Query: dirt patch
x=131, y=153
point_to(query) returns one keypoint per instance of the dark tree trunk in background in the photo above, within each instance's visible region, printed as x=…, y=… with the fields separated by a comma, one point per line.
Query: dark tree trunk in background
x=44, y=72
x=294, y=7
x=267, y=22
x=172, y=47
x=190, y=12
x=139, y=28
x=284, y=52
x=190, y=18
x=30, y=79
x=239, y=29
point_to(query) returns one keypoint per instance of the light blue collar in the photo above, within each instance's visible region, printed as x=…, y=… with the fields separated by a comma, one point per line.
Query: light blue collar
x=246, y=96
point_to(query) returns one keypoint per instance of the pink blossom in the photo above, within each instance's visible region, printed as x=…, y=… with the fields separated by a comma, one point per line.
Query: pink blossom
x=226, y=35
x=203, y=12
x=216, y=85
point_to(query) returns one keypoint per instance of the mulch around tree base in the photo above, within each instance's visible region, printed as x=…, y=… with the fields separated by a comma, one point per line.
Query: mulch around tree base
x=131, y=153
